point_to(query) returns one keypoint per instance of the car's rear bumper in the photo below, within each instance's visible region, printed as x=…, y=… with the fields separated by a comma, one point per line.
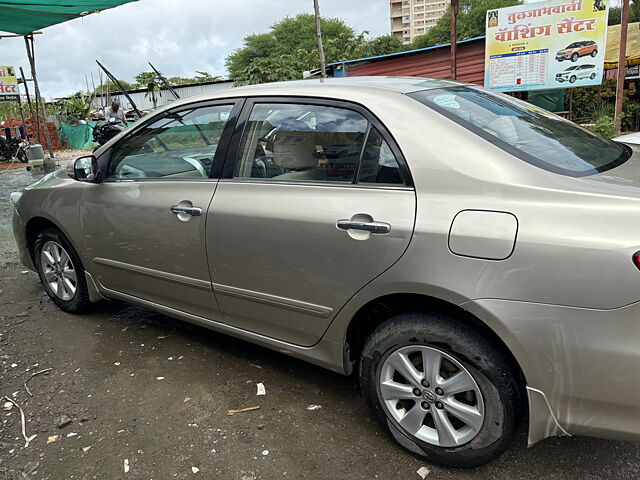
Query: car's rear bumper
x=19, y=233
x=583, y=363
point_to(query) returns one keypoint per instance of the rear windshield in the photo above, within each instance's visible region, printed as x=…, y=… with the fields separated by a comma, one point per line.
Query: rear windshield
x=525, y=131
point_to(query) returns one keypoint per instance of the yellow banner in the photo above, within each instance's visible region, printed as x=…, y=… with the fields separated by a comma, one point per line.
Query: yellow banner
x=551, y=44
x=8, y=85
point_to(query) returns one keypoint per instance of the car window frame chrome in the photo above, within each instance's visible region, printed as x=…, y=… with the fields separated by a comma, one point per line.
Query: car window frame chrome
x=233, y=154
x=104, y=160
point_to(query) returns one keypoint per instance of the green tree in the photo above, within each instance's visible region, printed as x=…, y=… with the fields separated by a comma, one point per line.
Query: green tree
x=384, y=45
x=290, y=47
x=615, y=13
x=152, y=83
x=470, y=22
x=113, y=87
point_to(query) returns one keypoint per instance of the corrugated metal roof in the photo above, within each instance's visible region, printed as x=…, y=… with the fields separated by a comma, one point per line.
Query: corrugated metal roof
x=418, y=50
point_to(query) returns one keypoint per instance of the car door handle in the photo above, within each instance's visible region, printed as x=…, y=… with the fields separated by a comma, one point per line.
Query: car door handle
x=194, y=211
x=373, y=227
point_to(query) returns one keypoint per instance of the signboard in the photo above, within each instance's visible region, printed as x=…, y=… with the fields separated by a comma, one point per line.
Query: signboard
x=632, y=72
x=544, y=45
x=8, y=85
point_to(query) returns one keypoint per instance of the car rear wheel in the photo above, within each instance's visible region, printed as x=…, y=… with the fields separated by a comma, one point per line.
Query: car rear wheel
x=594, y=53
x=592, y=76
x=61, y=271
x=572, y=79
x=441, y=389
x=574, y=57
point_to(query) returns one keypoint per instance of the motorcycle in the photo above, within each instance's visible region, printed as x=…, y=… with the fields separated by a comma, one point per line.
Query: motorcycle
x=105, y=132
x=13, y=148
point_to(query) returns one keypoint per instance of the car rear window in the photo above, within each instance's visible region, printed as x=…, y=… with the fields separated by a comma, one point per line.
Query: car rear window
x=525, y=131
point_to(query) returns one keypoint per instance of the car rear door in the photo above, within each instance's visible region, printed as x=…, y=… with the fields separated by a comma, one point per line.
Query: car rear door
x=145, y=223
x=316, y=204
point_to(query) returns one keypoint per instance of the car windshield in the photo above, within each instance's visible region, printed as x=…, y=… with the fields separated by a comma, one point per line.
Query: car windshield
x=574, y=45
x=571, y=68
x=525, y=131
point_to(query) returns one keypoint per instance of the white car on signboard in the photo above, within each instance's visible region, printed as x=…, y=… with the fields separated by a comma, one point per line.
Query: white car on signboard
x=577, y=72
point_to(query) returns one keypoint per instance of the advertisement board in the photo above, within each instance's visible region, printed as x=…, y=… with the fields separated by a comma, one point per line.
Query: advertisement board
x=544, y=45
x=8, y=85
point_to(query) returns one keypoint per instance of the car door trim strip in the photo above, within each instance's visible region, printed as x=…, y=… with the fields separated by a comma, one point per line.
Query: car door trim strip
x=296, y=305
x=171, y=277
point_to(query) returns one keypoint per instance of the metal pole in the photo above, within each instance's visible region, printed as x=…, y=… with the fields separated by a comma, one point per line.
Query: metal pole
x=32, y=62
x=122, y=89
x=622, y=64
x=454, y=40
x=323, y=68
x=166, y=83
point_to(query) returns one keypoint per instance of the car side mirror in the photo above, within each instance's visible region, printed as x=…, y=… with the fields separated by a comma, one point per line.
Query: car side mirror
x=85, y=169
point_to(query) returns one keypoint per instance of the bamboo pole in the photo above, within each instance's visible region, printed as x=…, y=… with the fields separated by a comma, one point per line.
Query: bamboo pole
x=323, y=68
x=622, y=63
x=32, y=62
x=454, y=40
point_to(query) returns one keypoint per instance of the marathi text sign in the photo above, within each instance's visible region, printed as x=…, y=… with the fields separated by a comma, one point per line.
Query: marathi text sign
x=8, y=85
x=544, y=45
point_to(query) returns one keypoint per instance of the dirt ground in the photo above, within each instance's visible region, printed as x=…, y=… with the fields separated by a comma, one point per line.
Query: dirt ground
x=147, y=390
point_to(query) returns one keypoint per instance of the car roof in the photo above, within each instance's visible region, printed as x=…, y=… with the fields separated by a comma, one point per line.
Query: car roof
x=398, y=84
x=327, y=87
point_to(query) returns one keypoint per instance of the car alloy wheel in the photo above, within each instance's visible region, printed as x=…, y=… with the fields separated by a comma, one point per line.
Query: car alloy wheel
x=594, y=53
x=431, y=395
x=592, y=76
x=572, y=79
x=574, y=57
x=58, y=270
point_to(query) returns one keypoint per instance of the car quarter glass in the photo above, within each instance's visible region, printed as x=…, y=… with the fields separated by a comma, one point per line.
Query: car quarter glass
x=379, y=164
x=181, y=144
x=299, y=142
x=530, y=133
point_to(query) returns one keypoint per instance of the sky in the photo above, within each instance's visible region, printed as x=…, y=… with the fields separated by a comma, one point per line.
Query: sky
x=177, y=36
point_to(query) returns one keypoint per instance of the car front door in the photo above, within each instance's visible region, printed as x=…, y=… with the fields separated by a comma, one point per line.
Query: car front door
x=319, y=203
x=145, y=222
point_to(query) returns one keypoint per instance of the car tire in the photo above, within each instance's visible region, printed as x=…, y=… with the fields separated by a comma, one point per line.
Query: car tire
x=592, y=76
x=57, y=272
x=574, y=57
x=572, y=79
x=594, y=53
x=500, y=399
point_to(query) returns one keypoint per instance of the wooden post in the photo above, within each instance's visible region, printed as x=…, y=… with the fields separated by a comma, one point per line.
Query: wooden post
x=622, y=63
x=454, y=40
x=34, y=118
x=28, y=39
x=323, y=68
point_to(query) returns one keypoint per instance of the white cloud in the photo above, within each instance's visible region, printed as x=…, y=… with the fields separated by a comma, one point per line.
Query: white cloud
x=178, y=37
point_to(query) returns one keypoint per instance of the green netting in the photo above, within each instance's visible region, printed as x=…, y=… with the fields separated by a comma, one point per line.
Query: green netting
x=26, y=16
x=78, y=137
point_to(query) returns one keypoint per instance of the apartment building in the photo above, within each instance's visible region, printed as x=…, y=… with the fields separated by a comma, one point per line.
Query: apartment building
x=411, y=18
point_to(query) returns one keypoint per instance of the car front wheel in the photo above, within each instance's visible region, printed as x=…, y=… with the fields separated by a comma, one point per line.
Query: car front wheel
x=572, y=79
x=61, y=271
x=574, y=57
x=441, y=389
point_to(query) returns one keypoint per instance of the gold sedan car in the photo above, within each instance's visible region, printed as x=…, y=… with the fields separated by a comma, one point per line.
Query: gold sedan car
x=471, y=257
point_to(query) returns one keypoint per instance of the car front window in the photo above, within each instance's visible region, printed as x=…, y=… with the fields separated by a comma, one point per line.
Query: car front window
x=527, y=132
x=179, y=144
